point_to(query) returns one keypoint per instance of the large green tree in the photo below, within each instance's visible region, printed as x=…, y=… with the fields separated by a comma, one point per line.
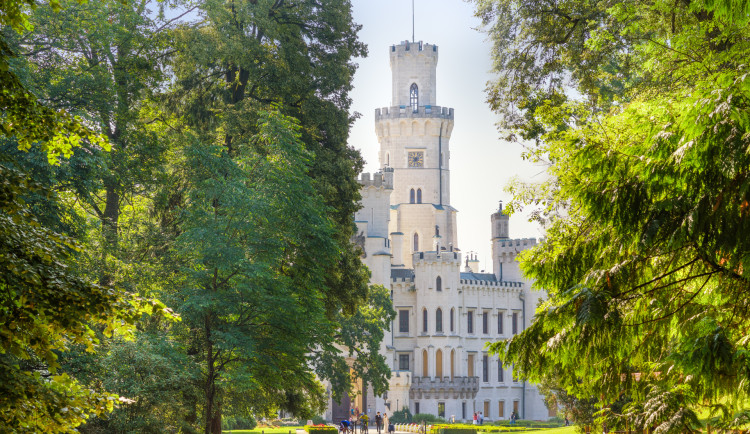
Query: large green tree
x=641, y=110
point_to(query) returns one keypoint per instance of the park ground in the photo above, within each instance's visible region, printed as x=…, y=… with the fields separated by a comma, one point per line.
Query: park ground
x=296, y=430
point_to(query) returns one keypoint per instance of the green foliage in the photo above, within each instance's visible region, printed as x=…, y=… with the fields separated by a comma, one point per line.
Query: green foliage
x=238, y=422
x=401, y=416
x=647, y=250
x=320, y=429
x=427, y=417
x=46, y=307
x=450, y=429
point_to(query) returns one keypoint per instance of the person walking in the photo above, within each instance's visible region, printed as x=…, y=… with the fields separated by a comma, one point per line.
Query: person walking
x=378, y=422
x=475, y=418
x=481, y=418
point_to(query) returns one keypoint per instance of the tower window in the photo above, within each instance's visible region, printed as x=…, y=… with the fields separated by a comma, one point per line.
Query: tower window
x=438, y=284
x=451, y=319
x=411, y=196
x=414, y=97
x=416, y=242
x=419, y=195
x=439, y=320
x=424, y=320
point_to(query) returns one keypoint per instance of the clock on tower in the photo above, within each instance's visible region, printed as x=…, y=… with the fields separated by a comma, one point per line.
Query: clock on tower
x=416, y=159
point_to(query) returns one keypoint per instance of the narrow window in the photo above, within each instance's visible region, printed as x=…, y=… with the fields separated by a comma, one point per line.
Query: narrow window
x=514, y=323
x=438, y=284
x=425, y=364
x=500, y=372
x=411, y=196
x=441, y=409
x=439, y=363
x=387, y=159
x=501, y=409
x=485, y=370
x=403, y=362
x=416, y=407
x=470, y=321
x=500, y=316
x=463, y=410
x=403, y=321
x=485, y=322
x=439, y=320
x=486, y=410
x=416, y=242
x=470, y=365
x=419, y=195
x=452, y=310
x=424, y=320
x=414, y=97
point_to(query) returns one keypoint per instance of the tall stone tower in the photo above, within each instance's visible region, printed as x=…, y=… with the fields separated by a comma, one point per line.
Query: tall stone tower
x=414, y=136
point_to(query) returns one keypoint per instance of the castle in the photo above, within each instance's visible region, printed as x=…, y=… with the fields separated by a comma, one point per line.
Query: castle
x=447, y=310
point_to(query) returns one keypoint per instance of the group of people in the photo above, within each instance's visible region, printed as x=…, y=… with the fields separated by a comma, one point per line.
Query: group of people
x=347, y=425
x=478, y=418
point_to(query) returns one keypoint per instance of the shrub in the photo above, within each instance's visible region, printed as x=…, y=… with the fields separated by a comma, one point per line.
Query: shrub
x=454, y=429
x=426, y=417
x=318, y=420
x=401, y=416
x=321, y=429
x=238, y=422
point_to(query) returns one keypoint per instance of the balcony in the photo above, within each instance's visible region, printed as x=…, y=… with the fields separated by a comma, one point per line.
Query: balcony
x=445, y=387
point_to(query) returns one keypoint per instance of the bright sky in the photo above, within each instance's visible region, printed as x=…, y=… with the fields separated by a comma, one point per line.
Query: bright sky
x=481, y=163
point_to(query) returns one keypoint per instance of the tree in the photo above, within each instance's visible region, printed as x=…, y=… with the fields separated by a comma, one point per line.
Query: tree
x=44, y=308
x=646, y=252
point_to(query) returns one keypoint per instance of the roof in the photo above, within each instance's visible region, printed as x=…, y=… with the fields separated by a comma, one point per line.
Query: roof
x=479, y=276
x=401, y=273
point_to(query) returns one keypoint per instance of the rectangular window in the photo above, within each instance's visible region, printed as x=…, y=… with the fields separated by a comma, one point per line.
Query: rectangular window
x=463, y=410
x=500, y=372
x=515, y=407
x=451, y=319
x=441, y=409
x=485, y=322
x=470, y=321
x=514, y=323
x=500, y=316
x=501, y=409
x=486, y=414
x=470, y=367
x=403, y=362
x=403, y=321
x=416, y=407
x=485, y=370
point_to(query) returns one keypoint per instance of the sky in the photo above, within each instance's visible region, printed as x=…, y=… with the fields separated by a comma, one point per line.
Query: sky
x=481, y=163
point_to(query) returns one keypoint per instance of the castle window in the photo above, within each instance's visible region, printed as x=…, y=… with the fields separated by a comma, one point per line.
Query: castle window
x=416, y=242
x=411, y=196
x=470, y=321
x=485, y=322
x=439, y=320
x=424, y=320
x=419, y=195
x=500, y=376
x=451, y=320
x=438, y=284
x=485, y=370
x=514, y=323
x=414, y=97
x=500, y=315
x=403, y=321
x=387, y=159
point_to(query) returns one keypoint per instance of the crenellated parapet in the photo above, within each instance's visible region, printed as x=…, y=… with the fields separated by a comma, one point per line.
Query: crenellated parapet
x=378, y=180
x=444, y=257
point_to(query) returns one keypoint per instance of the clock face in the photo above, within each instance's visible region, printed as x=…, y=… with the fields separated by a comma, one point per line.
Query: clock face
x=416, y=159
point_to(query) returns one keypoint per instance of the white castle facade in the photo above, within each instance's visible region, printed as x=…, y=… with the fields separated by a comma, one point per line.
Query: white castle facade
x=447, y=311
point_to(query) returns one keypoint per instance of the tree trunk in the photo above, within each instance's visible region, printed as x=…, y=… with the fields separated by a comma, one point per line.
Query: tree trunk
x=210, y=385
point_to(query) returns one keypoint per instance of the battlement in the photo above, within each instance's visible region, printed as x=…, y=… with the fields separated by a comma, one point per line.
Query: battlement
x=427, y=257
x=483, y=284
x=408, y=47
x=379, y=179
x=404, y=112
x=517, y=242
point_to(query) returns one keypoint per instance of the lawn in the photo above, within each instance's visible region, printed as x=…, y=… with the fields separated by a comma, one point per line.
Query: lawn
x=287, y=429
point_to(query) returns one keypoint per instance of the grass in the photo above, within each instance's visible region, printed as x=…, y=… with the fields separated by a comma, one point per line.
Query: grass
x=286, y=429
x=279, y=430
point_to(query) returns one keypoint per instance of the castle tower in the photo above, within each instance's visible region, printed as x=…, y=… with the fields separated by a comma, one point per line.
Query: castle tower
x=505, y=250
x=414, y=136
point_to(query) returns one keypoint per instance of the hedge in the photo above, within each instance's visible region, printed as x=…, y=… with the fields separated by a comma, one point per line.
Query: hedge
x=321, y=429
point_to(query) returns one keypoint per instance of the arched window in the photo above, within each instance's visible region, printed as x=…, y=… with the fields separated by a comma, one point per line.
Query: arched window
x=439, y=363
x=419, y=195
x=416, y=242
x=425, y=364
x=414, y=97
x=439, y=320
x=411, y=196
x=451, y=319
x=438, y=284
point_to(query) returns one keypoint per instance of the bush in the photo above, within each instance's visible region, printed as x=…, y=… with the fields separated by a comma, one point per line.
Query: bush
x=455, y=429
x=426, y=417
x=401, y=416
x=318, y=420
x=238, y=422
x=321, y=429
